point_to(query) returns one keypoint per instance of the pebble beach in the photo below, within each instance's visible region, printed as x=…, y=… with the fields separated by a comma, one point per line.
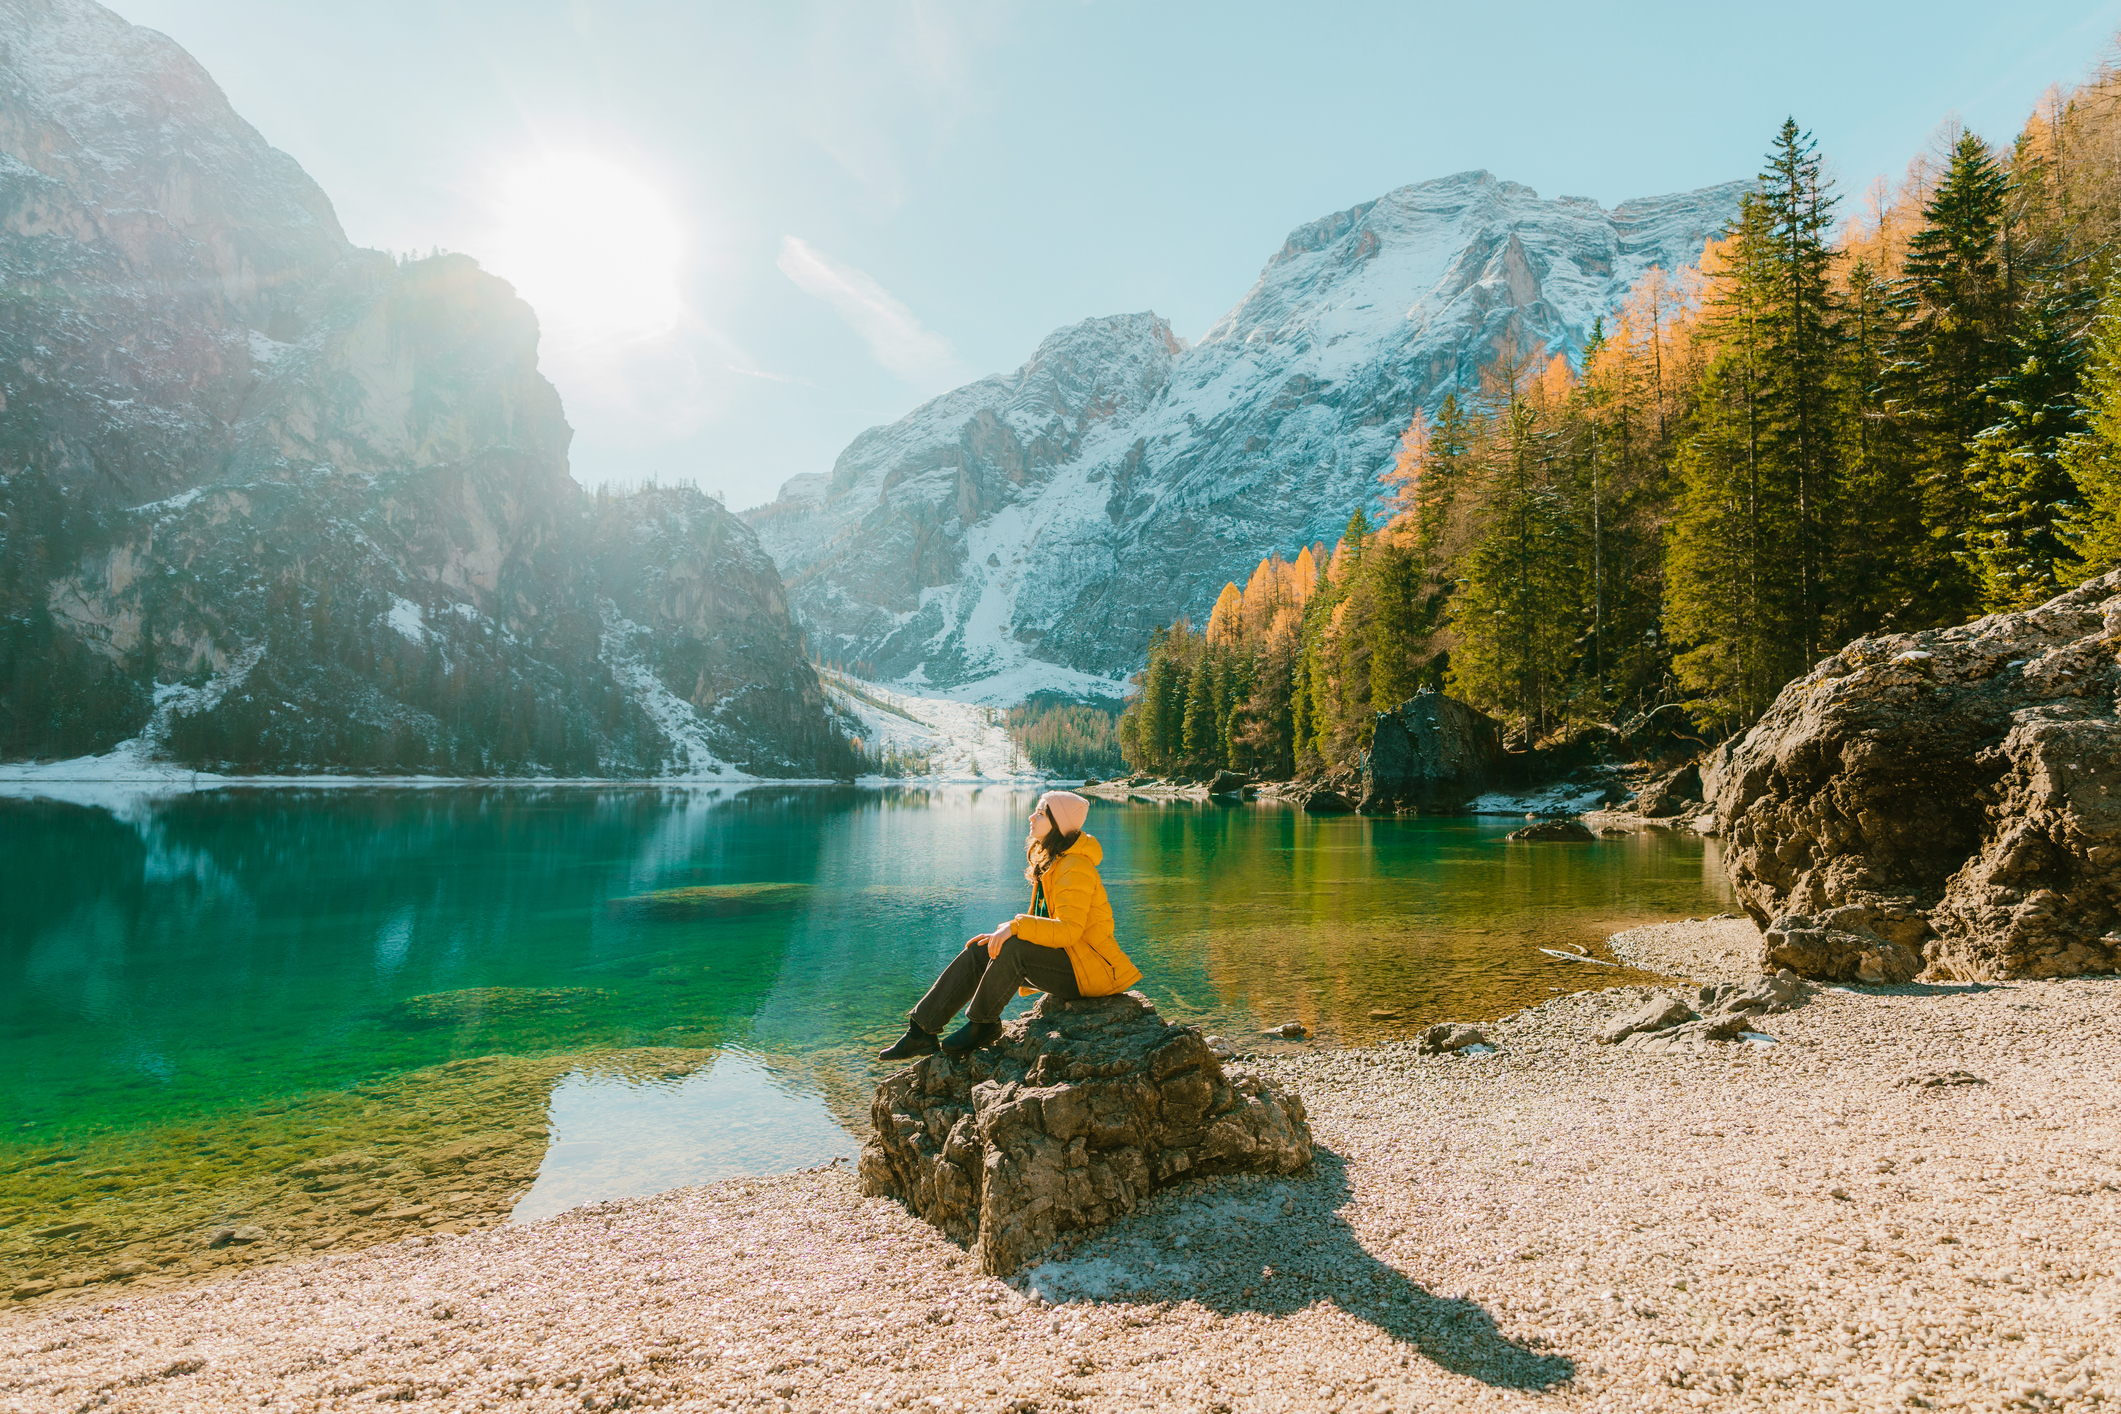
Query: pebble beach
x=1910, y=1199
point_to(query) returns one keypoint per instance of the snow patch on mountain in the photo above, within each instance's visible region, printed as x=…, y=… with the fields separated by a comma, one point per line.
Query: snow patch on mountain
x=962, y=741
x=680, y=723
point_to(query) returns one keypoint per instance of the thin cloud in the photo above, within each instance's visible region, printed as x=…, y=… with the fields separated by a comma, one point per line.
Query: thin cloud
x=763, y=374
x=895, y=337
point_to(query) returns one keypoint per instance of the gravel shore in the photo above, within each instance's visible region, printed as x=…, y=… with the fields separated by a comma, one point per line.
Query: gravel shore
x=1913, y=1200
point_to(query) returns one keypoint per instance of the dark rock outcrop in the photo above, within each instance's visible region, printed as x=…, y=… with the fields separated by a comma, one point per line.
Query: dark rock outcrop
x=1327, y=801
x=1431, y=753
x=1962, y=784
x=1553, y=830
x=1081, y=1111
x=1673, y=793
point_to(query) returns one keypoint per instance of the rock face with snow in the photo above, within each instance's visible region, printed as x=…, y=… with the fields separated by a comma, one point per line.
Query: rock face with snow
x=1950, y=797
x=274, y=501
x=1033, y=528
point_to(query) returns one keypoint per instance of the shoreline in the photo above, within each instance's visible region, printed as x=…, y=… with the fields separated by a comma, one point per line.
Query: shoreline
x=1754, y=1227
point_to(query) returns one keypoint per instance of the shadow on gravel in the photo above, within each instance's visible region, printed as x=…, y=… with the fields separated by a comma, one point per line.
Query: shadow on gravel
x=1275, y=1246
x=1918, y=989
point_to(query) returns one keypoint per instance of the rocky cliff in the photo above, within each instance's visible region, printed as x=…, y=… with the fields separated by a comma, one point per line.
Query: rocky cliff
x=1949, y=799
x=275, y=502
x=1031, y=529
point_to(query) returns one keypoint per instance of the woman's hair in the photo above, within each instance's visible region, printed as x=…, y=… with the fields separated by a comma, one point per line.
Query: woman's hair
x=1041, y=850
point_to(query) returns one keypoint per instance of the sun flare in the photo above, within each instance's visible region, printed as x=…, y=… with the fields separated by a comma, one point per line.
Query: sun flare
x=592, y=245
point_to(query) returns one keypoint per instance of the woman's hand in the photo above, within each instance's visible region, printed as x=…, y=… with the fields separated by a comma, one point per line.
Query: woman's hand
x=999, y=936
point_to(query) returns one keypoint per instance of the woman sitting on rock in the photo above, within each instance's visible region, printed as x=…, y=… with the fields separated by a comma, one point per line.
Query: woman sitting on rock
x=1064, y=945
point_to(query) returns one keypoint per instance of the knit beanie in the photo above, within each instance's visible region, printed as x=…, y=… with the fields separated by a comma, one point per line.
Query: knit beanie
x=1065, y=809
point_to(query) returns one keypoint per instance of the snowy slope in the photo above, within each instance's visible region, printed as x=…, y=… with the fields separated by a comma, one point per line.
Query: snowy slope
x=1033, y=528
x=962, y=741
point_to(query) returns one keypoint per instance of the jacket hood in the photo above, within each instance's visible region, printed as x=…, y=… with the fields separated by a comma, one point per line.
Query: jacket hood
x=1087, y=849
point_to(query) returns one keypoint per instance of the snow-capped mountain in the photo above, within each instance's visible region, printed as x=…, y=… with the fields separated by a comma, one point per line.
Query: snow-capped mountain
x=271, y=500
x=1029, y=530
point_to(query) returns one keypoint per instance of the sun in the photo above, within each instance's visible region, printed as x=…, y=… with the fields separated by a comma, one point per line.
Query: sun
x=592, y=245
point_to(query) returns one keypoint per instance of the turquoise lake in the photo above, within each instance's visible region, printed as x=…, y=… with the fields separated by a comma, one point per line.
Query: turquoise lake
x=654, y=986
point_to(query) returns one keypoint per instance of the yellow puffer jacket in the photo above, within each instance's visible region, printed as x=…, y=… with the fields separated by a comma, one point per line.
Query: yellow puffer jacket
x=1081, y=922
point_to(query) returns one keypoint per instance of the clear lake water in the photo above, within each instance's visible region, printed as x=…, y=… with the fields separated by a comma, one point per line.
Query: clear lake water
x=284, y=1005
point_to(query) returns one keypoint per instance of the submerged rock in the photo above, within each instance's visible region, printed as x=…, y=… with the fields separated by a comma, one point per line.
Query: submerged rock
x=1962, y=784
x=1430, y=753
x=711, y=901
x=1081, y=1111
x=471, y=1004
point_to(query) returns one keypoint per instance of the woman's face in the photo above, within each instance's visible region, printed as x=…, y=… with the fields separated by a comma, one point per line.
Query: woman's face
x=1040, y=821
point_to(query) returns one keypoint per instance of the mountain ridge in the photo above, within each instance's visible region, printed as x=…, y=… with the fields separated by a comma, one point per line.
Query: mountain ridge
x=938, y=553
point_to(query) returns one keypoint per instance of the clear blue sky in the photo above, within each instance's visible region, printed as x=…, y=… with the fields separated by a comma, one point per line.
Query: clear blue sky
x=861, y=204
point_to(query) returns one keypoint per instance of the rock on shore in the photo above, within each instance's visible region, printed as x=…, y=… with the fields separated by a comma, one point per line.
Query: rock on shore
x=1430, y=753
x=1963, y=785
x=1084, y=1109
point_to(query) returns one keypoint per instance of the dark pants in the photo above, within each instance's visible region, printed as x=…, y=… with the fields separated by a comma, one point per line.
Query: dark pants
x=989, y=983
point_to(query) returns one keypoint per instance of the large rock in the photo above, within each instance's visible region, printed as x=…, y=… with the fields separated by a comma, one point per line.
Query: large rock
x=1963, y=784
x=1673, y=793
x=1430, y=753
x=1837, y=946
x=1082, y=1110
x=1554, y=830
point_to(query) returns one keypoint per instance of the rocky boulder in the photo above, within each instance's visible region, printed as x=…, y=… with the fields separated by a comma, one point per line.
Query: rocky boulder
x=1327, y=801
x=1553, y=830
x=1431, y=753
x=1448, y=1038
x=1671, y=794
x=1838, y=946
x=1081, y=1111
x=1963, y=784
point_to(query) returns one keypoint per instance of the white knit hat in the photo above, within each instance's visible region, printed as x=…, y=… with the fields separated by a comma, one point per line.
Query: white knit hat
x=1065, y=809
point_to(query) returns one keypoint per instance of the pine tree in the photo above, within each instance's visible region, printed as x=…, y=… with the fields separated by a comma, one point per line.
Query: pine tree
x=2093, y=457
x=1199, y=730
x=1801, y=332
x=1729, y=602
x=1515, y=622
x=2026, y=496
x=1955, y=301
x=1876, y=575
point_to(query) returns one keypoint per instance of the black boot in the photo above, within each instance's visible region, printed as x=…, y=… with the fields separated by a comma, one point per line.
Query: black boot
x=972, y=1036
x=915, y=1042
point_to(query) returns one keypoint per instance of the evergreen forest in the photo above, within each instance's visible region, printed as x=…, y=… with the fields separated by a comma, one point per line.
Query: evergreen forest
x=1844, y=422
